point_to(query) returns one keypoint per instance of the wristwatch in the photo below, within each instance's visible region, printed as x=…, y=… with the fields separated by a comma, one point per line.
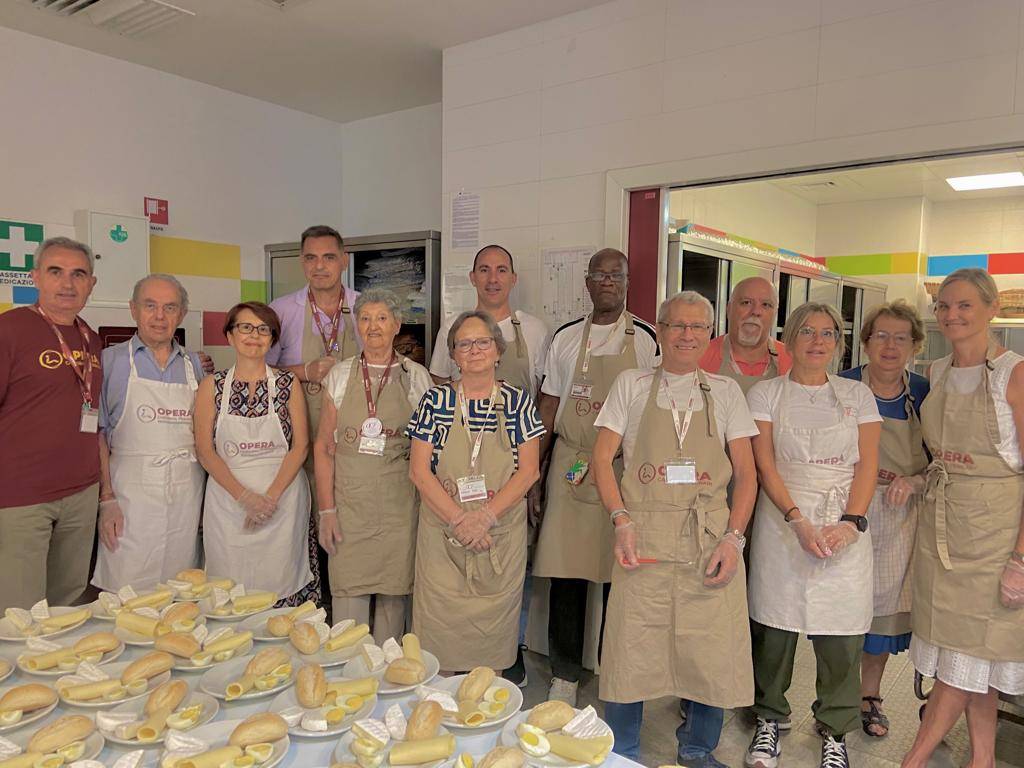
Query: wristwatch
x=858, y=520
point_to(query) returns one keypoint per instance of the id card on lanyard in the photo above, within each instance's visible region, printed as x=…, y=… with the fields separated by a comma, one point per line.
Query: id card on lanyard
x=330, y=341
x=473, y=487
x=90, y=418
x=682, y=469
x=372, y=439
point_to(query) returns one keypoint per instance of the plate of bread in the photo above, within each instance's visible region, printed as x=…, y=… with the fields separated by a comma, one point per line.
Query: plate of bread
x=418, y=740
x=65, y=740
x=479, y=699
x=171, y=707
x=556, y=734
x=43, y=657
x=92, y=686
x=41, y=620
x=250, y=677
x=262, y=738
x=400, y=668
x=318, y=706
x=24, y=704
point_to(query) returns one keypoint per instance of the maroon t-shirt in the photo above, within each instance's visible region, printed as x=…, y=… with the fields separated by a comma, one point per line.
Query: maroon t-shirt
x=44, y=455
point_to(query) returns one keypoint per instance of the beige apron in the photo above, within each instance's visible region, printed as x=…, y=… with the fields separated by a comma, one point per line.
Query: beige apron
x=515, y=368
x=377, y=503
x=575, y=539
x=900, y=453
x=466, y=604
x=968, y=527
x=730, y=367
x=666, y=634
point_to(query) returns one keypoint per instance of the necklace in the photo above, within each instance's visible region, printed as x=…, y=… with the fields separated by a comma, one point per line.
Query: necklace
x=812, y=396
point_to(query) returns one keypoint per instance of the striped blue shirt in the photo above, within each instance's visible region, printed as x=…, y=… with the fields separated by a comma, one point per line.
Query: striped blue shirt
x=432, y=421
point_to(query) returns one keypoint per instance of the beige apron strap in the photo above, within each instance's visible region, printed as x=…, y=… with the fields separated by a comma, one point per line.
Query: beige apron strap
x=518, y=334
x=937, y=480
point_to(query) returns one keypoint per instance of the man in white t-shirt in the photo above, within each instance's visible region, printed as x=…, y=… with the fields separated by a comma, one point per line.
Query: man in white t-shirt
x=574, y=548
x=494, y=275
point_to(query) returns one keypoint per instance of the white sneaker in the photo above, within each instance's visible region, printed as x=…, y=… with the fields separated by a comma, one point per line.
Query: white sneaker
x=563, y=690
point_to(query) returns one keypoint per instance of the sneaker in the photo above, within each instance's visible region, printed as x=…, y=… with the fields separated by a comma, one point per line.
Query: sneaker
x=563, y=690
x=833, y=753
x=707, y=761
x=517, y=672
x=764, y=749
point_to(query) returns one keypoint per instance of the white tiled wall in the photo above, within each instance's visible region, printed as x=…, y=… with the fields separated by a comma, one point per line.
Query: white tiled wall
x=986, y=225
x=535, y=118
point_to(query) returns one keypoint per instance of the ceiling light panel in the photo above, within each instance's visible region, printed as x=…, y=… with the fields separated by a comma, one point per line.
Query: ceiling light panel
x=986, y=181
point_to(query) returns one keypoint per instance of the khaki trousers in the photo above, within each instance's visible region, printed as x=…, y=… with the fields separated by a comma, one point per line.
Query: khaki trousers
x=388, y=614
x=45, y=550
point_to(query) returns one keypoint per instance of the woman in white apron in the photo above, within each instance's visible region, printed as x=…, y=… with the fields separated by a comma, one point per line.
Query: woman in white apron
x=817, y=458
x=968, y=581
x=368, y=505
x=475, y=454
x=891, y=334
x=251, y=436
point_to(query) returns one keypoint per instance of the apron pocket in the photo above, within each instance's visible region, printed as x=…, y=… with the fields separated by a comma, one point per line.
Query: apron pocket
x=483, y=573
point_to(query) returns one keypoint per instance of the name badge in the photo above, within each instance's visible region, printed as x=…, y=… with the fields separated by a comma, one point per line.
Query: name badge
x=90, y=421
x=581, y=390
x=472, y=488
x=372, y=446
x=681, y=471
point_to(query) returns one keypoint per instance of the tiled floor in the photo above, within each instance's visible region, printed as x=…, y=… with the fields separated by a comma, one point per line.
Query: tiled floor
x=800, y=747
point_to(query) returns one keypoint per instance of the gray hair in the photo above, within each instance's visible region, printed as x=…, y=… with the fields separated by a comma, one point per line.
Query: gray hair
x=796, y=321
x=492, y=329
x=686, y=297
x=182, y=293
x=977, y=277
x=379, y=296
x=64, y=242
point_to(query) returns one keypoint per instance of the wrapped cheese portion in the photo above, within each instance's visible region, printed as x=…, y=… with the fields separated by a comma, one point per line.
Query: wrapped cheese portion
x=215, y=758
x=590, y=751
x=423, y=751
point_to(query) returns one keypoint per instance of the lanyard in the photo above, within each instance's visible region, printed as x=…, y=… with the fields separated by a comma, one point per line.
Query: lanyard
x=83, y=372
x=588, y=346
x=681, y=429
x=478, y=441
x=371, y=401
x=330, y=343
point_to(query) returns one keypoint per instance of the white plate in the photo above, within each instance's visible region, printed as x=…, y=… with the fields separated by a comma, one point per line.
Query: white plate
x=93, y=743
x=357, y=669
x=258, y=625
x=512, y=706
x=114, y=671
x=216, y=734
x=342, y=753
x=234, y=617
x=31, y=717
x=288, y=698
x=509, y=738
x=8, y=631
x=215, y=681
x=210, y=710
x=108, y=657
x=185, y=665
x=132, y=638
x=336, y=659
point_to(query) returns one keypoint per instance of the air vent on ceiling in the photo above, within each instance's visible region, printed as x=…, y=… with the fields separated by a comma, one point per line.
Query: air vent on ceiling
x=284, y=4
x=130, y=18
x=815, y=186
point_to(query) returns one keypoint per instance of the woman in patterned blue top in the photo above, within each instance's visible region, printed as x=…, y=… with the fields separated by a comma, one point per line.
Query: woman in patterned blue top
x=475, y=453
x=891, y=334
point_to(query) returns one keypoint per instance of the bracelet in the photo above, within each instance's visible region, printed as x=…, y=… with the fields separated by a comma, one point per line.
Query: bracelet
x=789, y=512
x=331, y=511
x=111, y=500
x=617, y=513
x=738, y=539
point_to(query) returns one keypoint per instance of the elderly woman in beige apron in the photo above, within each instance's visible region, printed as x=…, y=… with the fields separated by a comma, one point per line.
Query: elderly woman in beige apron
x=677, y=614
x=475, y=450
x=368, y=505
x=817, y=458
x=891, y=334
x=968, y=582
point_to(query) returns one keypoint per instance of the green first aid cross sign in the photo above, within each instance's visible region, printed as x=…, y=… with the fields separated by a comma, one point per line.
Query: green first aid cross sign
x=18, y=243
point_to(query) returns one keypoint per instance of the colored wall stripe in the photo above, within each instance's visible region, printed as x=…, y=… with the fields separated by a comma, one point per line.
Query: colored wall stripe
x=939, y=266
x=254, y=290
x=24, y=294
x=213, y=329
x=5, y=307
x=863, y=264
x=178, y=256
x=1006, y=263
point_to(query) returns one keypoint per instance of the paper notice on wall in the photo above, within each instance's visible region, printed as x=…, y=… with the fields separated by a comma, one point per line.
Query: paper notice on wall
x=466, y=220
x=563, y=287
x=458, y=294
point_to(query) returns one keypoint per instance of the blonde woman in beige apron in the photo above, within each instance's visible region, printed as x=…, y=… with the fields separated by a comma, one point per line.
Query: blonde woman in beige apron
x=968, y=582
x=472, y=479
x=817, y=459
x=368, y=505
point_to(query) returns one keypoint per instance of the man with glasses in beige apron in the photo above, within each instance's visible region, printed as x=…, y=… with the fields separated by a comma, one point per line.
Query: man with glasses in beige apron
x=574, y=546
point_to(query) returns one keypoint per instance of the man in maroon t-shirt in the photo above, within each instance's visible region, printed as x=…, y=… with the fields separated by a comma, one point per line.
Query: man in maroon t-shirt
x=50, y=382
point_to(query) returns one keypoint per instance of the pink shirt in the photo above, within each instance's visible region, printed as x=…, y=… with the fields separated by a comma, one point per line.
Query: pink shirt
x=711, y=360
x=293, y=311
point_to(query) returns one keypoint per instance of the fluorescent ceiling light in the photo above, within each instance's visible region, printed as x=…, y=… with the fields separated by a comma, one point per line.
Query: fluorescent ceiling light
x=987, y=181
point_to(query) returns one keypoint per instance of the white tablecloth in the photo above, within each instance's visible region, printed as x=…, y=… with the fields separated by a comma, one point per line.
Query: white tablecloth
x=303, y=753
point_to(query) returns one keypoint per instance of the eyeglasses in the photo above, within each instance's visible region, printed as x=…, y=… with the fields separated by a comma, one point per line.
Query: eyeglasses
x=696, y=328
x=600, y=277
x=247, y=328
x=828, y=334
x=483, y=344
x=899, y=339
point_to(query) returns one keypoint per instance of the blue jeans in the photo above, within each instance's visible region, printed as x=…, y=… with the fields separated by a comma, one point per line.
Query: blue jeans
x=697, y=737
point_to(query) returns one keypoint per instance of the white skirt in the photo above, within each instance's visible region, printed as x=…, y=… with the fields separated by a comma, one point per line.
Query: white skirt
x=968, y=673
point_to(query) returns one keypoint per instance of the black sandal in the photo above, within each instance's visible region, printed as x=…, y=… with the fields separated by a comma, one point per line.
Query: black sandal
x=873, y=716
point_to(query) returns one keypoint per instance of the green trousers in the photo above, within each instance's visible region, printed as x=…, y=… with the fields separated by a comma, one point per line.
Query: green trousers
x=837, y=707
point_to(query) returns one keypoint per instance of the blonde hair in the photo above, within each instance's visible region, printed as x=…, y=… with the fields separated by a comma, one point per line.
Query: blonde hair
x=979, y=278
x=796, y=321
x=897, y=310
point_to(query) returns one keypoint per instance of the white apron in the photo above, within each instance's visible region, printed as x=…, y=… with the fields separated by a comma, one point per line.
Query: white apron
x=790, y=589
x=275, y=556
x=157, y=481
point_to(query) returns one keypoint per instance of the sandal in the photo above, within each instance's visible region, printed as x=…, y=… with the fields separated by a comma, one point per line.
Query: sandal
x=873, y=716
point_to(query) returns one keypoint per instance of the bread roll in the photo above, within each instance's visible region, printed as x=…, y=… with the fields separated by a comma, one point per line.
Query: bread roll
x=475, y=684
x=551, y=715
x=169, y=695
x=258, y=728
x=180, y=612
x=405, y=671
x=304, y=637
x=279, y=626
x=181, y=644
x=97, y=642
x=212, y=759
x=267, y=661
x=194, y=576
x=27, y=698
x=152, y=664
x=503, y=757
x=425, y=751
x=411, y=647
x=66, y=619
x=424, y=721
x=60, y=732
x=311, y=686
x=157, y=599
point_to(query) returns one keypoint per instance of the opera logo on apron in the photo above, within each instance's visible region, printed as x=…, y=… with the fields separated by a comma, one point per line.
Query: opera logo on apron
x=583, y=407
x=249, y=449
x=647, y=473
x=958, y=459
x=147, y=413
x=351, y=434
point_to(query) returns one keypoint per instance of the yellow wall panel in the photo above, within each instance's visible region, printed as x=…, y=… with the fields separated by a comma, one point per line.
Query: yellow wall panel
x=177, y=256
